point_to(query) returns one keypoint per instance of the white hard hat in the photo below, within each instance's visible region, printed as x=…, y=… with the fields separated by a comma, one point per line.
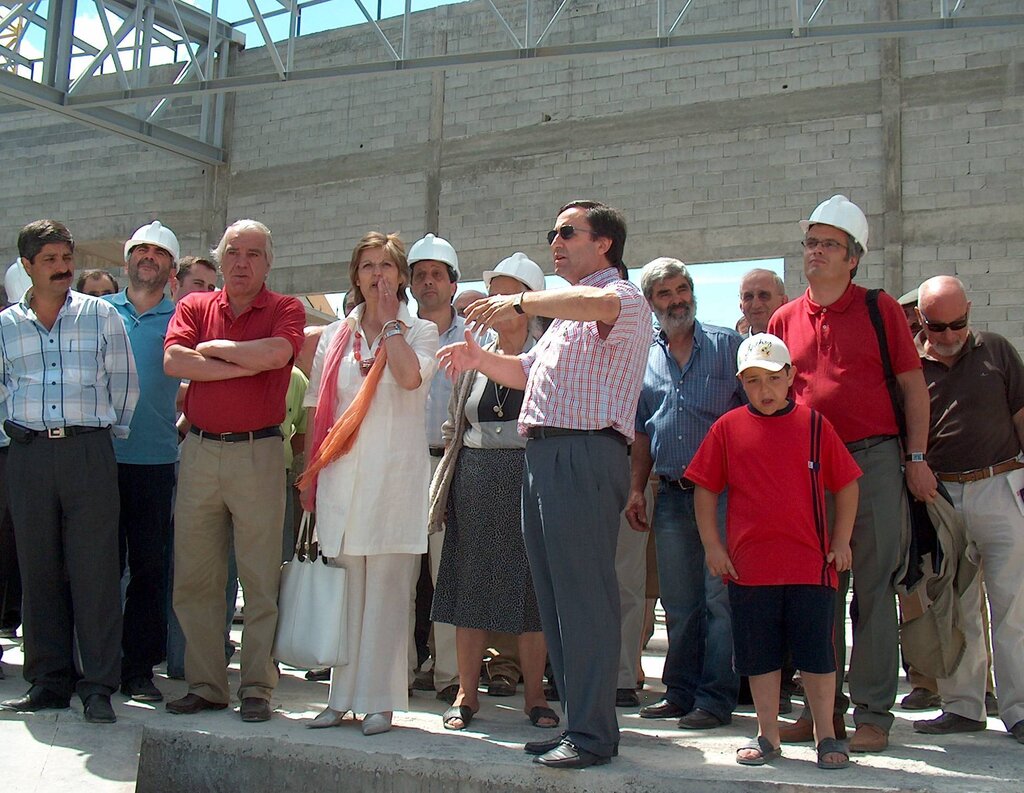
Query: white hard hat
x=522, y=268
x=16, y=282
x=154, y=233
x=436, y=249
x=841, y=212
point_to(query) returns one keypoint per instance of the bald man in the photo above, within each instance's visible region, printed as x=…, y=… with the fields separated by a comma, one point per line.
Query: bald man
x=761, y=294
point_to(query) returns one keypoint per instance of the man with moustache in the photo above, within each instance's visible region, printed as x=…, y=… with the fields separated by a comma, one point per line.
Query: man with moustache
x=146, y=459
x=582, y=380
x=975, y=381
x=690, y=382
x=67, y=382
x=761, y=294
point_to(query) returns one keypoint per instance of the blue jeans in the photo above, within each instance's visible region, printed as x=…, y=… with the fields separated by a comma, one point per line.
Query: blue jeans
x=698, y=668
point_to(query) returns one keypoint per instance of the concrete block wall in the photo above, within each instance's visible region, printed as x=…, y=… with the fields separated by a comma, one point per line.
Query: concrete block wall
x=712, y=152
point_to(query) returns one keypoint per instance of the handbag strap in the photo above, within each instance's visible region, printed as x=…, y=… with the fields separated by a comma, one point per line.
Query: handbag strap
x=306, y=544
x=883, y=348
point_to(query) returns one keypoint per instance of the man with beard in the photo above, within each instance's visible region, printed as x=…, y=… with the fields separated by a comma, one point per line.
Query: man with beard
x=976, y=384
x=146, y=460
x=67, y=382
x=690, y=382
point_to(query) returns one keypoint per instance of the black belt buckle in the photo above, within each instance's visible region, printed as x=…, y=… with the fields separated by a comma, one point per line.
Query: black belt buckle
x=17, y=433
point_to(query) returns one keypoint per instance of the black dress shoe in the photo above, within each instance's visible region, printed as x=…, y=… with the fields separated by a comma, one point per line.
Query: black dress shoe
x=626, y=698
x=448, y=693
x=254, y=709
x=569, y=755
x=141, y=689
x=663, y=709
x=700, y=719
x=98, y=709
x=949, y=723
x=37, y=698
x=193, y=703
x=543, y=747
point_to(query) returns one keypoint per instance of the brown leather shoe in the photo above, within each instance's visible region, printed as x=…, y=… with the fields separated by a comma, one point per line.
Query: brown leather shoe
x=193, y=703
x=254, y=709
x=802, y=730
x=869, y=738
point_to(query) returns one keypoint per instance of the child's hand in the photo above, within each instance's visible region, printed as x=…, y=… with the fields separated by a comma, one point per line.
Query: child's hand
x=841, y=555
x=719, y=562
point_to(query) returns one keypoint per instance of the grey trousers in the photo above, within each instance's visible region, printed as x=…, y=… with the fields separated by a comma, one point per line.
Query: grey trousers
x=65, y=506
x=574, y=490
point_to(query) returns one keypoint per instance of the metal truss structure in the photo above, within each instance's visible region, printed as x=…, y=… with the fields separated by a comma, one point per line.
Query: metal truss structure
x=137, y=36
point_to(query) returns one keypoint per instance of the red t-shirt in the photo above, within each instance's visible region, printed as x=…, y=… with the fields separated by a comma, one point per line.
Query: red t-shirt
x=838, y=368
x=776, y=531
x=241, y=404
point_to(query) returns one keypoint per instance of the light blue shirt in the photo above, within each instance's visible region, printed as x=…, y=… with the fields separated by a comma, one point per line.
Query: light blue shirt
x=80, y=373
x=441, y=386
x=154, y=438
x=678, y=406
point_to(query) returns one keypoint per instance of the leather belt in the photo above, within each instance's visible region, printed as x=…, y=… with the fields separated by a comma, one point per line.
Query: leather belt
x=679, y=484
x=238, y=437
x=437, y=451
x=53, y=433
x=977, y=474
x=867, y=443
x=540, y=433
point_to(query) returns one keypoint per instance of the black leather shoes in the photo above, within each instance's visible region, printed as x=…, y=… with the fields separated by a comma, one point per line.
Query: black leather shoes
x=1017, y=731
x=626, y=698
x=254, y=709
x=663, y=709
x=700, y=719
x=568, y=755
x=37, y=698
x=193, y=703
x=98, y=709
x=141, y=689
x=948, y=723
x=543, y=747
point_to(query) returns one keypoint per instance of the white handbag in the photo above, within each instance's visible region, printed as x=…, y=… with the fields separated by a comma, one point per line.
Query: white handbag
x=312, y=619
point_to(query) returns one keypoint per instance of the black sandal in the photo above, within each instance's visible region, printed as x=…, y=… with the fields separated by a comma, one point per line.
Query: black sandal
x=455, y=713
x=765, y=752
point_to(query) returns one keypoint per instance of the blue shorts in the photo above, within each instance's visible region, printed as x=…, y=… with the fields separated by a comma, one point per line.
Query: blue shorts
x=766, y=620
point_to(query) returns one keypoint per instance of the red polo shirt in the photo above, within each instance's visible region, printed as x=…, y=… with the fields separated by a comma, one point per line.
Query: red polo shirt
x=241, y=404
x=838, y=366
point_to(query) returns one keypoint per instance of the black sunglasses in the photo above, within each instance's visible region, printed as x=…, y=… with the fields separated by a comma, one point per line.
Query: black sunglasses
x=939, y=327
x=566, y=232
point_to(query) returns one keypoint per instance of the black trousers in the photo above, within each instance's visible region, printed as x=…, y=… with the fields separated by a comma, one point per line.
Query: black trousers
x=64, y=502
x=145, y=528
x=10, y=576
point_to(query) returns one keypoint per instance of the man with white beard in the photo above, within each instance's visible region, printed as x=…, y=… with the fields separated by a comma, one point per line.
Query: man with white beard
x=690, y=382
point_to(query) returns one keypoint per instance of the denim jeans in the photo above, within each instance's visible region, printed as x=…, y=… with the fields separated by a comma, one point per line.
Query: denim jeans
x=698, y=668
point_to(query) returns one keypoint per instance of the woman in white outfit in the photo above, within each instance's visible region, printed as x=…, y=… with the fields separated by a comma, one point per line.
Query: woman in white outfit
x=371, y=495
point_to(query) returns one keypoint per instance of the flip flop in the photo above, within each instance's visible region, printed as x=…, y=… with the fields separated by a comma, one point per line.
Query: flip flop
x=540, y=712
x=765, y=752
x=455, y=713
x=832, y=746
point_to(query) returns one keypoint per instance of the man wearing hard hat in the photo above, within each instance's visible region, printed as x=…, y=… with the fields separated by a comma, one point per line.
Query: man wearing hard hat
x=146, y=459
x=839, y=372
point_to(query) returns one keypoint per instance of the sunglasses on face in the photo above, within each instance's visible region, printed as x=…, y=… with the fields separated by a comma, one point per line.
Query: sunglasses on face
x=939, y=327
x=566, y=232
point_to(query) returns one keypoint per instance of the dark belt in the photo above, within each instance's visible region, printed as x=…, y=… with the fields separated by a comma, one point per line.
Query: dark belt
x=238, y=437
x=540, y=433
x=437, y=451
x=977, y=474
x=24, y=434
x=867, y=443
x=678, y=484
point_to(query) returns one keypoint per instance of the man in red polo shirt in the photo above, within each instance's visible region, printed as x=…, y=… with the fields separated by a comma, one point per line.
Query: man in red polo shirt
x=236, y=347
x=839, y=373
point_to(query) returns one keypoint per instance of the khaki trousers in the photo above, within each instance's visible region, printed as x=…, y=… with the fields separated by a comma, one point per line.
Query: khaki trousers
x=225, y=490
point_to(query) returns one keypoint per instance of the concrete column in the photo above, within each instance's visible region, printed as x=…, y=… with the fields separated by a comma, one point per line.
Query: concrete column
x=892, y=157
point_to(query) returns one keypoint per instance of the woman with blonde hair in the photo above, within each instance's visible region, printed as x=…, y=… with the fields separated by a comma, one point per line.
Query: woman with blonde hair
x=367, y=393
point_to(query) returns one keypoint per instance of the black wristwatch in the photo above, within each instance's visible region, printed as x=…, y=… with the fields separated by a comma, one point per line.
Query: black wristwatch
x=913, y=457
x=518, y=305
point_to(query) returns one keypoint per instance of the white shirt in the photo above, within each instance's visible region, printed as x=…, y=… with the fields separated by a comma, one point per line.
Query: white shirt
x=373, y=500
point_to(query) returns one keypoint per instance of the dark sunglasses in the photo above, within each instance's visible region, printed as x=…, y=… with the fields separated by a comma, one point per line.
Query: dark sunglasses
x=939, y=327
x=566, y=232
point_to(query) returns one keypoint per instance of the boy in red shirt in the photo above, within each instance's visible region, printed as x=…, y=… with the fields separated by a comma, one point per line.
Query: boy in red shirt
x=777, y=459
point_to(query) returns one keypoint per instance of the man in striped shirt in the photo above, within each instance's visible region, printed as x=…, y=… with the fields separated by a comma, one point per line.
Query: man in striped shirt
x=67, y=382
x=582, y=381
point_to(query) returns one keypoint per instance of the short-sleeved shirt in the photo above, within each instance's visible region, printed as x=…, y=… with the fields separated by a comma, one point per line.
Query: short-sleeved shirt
x=241, y=404
x=580, y=381
x=678, y=405
x=154, y=437
x=775, y=520
x=973, y=403
x=838, y=364
x=294, y=413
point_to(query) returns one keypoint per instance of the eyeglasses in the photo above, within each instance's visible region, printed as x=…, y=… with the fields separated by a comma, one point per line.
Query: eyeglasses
x=939, y=327
x=829, y=246
x=567, y=232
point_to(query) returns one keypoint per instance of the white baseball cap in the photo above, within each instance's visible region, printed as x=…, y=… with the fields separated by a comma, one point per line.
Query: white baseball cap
x=764, y=351
x=522, y=268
